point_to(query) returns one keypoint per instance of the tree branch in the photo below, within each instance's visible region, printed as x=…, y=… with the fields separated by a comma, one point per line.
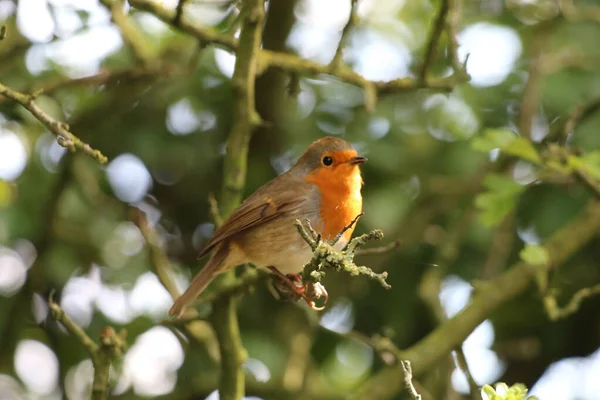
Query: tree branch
x=103, y=78
x=225, y=320
x=461, y=363
x=200, y=331
x=294, y=64
x=326, y=257
x=111, y=346
x=531, y=95
x=434, y=39
x=160, y=262
x=337, y=60
x=132, y=35
x=207, y=35
x=60, y=129
x=487, y=298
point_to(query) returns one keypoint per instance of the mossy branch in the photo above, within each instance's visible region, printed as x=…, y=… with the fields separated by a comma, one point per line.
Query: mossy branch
x=112, y=346
x=326, y=257
x=60, y=129
x=297, y=65
x=245, y=120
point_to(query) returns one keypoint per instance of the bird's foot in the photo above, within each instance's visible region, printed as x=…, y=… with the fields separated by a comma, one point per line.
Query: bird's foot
x=292, y=284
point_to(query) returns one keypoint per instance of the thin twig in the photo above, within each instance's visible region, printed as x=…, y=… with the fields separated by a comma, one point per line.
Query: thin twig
x=453, y=23
x=379, y=250
x=132, y=35
x=161, y=265
x=294, y=64
x=461, y=363
x=581, y=112
x=555, y=312
x=337, y=60
x=112, y=345
x=160, y=262
x=59, y=315
x=345, y=229
x=434, y=39
x=103, y=78
x=406, y=368
x=178, y=12
x=531, y=94
x=213, y=207
x=60, y=129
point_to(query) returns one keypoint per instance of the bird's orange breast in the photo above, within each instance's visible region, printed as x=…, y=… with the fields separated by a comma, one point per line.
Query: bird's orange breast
x=341, y=200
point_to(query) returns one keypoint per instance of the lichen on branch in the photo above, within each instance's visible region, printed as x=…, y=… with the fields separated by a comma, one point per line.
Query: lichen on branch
x=325, y=257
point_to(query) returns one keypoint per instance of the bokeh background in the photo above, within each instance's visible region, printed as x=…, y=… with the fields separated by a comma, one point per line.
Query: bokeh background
x=65, y=222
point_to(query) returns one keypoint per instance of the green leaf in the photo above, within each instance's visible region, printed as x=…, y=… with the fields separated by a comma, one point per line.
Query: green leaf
x=499, y=200
x=589, y=163
x=493, y=139
x=534, y=255
x=508, y=142
x=523, y=148
x=502, y=184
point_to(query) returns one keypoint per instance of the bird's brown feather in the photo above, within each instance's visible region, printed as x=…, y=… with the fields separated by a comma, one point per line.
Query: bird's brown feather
x=260, y=207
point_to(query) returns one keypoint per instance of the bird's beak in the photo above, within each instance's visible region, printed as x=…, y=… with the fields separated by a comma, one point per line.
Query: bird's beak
x=357, y=160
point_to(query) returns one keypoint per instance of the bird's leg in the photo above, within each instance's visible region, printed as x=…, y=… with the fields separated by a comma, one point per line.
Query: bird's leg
x=293, y=284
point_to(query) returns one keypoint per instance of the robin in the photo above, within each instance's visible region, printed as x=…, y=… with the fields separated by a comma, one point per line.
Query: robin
x=324, y=186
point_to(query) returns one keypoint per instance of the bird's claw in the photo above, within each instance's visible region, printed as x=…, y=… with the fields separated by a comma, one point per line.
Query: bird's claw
x=292, y=284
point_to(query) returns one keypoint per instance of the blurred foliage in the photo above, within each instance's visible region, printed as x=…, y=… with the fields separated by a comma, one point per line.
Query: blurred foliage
x=433, y=159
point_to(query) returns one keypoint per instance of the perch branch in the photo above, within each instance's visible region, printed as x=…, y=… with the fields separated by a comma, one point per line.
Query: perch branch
x=60, y=129
x=326, y=257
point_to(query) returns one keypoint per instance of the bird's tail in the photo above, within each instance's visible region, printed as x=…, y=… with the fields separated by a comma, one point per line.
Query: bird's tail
x=213, y=267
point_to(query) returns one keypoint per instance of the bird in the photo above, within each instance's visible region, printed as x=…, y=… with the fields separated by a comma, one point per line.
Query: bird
x=323, y=187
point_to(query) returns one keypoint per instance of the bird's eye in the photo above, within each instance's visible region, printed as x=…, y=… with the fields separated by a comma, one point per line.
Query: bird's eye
x=327, y=161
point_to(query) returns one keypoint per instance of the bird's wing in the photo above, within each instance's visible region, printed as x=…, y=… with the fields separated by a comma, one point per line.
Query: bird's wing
x=260, y=207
